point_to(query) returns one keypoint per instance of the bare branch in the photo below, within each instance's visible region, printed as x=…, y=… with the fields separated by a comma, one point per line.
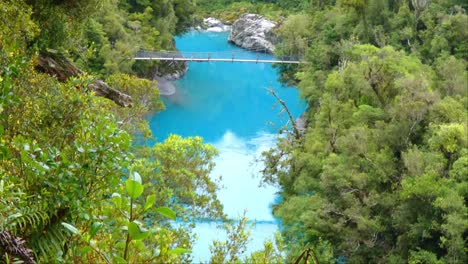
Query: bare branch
x=297, y=133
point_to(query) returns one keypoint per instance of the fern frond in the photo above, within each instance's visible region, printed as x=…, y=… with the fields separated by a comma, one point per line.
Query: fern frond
x=17, y=213
x=21, y=217
x=26, y=218
x=47, y=242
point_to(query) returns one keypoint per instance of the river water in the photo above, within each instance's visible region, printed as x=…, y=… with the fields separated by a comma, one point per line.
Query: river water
x=228, y=104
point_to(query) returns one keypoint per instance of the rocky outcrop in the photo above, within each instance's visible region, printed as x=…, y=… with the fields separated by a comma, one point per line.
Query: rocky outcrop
x=57, y=65
x=253, y=32
x=215, y=25
x=166, y=72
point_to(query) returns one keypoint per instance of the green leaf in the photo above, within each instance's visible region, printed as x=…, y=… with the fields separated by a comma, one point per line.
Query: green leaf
x=117, y=200
x=86, y=238
x=167, y=212
x=134, y=188
x=85, y=249
x=149, y=201
x=120, y=245
x=95, y=227
x=71, y=228
x=135, y=233
x=178, y=251
x=119, y=260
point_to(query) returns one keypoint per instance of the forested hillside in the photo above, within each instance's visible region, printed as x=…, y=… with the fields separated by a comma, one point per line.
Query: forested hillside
x=381, y=173
x=73, y=187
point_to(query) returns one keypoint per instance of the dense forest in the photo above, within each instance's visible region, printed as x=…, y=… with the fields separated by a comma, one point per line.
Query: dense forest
x=380, y=175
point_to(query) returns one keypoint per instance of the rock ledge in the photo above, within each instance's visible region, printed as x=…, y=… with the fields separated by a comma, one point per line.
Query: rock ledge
x=166, y=73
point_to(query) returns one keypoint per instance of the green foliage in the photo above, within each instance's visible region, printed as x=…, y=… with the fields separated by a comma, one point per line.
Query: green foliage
x=272, y=252
x=146, y=98
x=67, y=152
x=191, y=192
x=61, y=21
x=228, y=11
x=229, y=251
x=386, y=86
x=386, y=134
x=451, y=77
x=58, y=173
x=141, y=241
x=15, y=23
x=427, y=29
x=422, y=256
x=101, y=36
x=64, y=151
x=294, y=43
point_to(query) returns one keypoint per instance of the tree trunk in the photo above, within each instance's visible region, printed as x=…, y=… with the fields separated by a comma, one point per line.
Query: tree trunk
x=57, y=65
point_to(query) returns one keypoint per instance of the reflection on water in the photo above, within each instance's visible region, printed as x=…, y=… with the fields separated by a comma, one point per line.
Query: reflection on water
x=228, y=105
x=237, y=167
x=178, y=98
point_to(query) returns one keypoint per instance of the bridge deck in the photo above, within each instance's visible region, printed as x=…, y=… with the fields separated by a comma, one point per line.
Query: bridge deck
x=218, y=60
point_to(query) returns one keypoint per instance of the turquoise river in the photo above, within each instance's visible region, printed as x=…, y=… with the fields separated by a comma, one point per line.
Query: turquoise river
x=228, y=104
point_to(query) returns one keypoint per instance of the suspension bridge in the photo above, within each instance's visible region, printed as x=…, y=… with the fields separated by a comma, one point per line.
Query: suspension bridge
x=246, y=56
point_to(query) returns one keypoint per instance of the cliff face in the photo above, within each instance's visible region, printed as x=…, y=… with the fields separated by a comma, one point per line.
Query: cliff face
x=170, y=70
x=253, y=32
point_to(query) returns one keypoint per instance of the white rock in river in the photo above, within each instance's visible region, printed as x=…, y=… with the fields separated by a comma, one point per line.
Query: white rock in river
x=215, y=25
x=253, y=32
x=212, y=22
x=215, y=29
